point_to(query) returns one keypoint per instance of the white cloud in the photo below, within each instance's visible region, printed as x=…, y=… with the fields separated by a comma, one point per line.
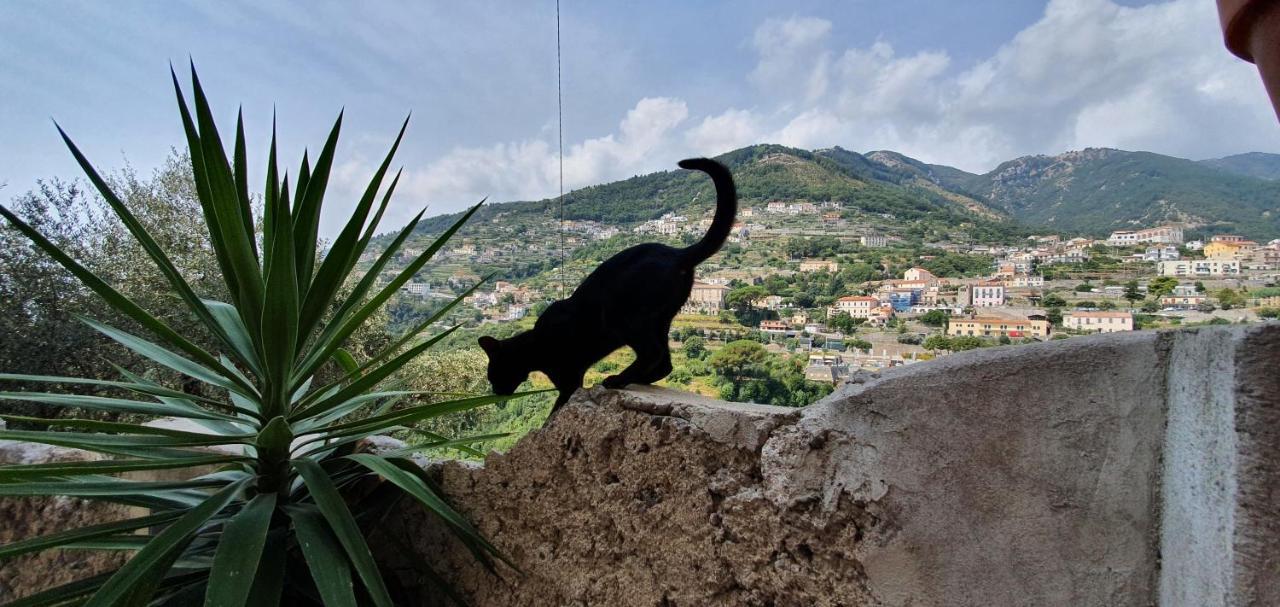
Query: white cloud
x=725, y=132
x=792, y=57
x=1087, y=73
x=528, y=170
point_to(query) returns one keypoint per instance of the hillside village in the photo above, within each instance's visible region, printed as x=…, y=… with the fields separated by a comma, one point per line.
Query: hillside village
x=837, y=287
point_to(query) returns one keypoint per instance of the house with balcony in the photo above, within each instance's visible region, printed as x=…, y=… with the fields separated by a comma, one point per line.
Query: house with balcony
x=992, y=326
x=985, y=294
x=856, y=306
x=1199, y=268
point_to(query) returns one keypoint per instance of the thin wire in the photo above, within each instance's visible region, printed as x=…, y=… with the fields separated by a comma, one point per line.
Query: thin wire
x=564, y=254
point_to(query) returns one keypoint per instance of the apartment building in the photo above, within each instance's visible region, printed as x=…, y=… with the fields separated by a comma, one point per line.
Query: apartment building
x=1037, y=327
x=1198, y=267
x=1160, y=235
x=857, y=306
x=986, y=294
x=1098, y=321
x=773, y=326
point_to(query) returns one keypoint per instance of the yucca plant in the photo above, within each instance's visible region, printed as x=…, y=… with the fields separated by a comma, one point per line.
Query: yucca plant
x=292, y=497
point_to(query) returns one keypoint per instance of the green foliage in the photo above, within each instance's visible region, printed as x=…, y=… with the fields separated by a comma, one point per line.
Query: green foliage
x=967, y=342
x=1268, y=312
x=1113, y=189
x=958, y=343
x=1229, y=298
x=860, y=344
x=288, y=490
x=743, y=299
x=694, y=347
x=956, y=264
x=1054, y=316
x=817, y=246
x=1132, y=293
x=934, y=318
x=1161, y=286
x=737, y=358
x=1053, y=300
x=746, y=372
x=842, y=322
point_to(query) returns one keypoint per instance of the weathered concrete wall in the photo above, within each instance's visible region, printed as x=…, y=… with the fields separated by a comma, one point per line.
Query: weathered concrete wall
x=1124, y=469
x=1034, y=475
x=1221, y=523
x=27, y=517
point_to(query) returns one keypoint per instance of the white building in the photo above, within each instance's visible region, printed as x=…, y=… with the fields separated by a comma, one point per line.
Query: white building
x=918, y=273
x=1098, y=322
x=1199, y=267
x=873, y=241
x=988, y=294
x=1024, y=281
x=1159, y=235
x=1161, y=253
x=857, y=307
x=421, y=289
x=1072, y=255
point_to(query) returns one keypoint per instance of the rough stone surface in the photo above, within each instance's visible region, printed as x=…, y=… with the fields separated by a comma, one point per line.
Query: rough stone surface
x=1022, y=475
x=1050, y=474
x=1124, y=469
x=646, y=497
x=1256, y=579
x=30, y=517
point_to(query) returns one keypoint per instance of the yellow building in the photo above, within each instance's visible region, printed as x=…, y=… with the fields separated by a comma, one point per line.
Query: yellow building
x=1221, y=250
x=997, y=326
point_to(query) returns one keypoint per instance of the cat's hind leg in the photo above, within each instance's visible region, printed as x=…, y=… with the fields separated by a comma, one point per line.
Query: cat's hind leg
x=653, y=362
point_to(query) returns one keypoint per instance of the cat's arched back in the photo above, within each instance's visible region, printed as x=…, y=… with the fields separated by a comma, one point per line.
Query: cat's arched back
x=629, y=300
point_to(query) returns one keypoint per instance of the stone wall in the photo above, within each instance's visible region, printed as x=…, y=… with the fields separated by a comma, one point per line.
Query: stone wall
x=1124, y=469
x=27, y=517
x=1063, y=473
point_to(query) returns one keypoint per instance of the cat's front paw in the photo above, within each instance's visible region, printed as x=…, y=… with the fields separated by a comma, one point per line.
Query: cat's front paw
x=614, y=382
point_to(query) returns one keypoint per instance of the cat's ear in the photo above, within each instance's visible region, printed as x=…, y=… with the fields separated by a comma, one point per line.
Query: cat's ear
x=488, y=344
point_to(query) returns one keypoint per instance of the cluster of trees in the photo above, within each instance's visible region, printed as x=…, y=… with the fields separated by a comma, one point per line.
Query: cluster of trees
x=959, y=264
x=746, y=372
x=958, y=343
x=40, y=303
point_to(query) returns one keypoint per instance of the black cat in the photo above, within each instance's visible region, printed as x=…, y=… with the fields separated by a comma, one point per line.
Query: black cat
x=628, y=301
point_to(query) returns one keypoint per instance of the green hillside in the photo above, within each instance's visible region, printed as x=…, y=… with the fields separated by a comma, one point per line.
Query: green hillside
x=764, y=173
x=1091, y=191
x=1099, y=190
x=1251, y=164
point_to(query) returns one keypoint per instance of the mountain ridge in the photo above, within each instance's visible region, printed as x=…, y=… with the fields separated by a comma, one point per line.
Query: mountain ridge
x=1089, y=191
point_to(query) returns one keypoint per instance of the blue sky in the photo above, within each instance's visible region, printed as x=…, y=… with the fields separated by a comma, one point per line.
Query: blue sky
x=963, y=83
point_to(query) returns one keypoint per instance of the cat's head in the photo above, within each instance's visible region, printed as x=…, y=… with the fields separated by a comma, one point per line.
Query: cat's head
x=506, y=371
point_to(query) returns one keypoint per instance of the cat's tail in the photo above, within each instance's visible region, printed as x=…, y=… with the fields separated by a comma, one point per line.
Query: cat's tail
x=726, y=210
